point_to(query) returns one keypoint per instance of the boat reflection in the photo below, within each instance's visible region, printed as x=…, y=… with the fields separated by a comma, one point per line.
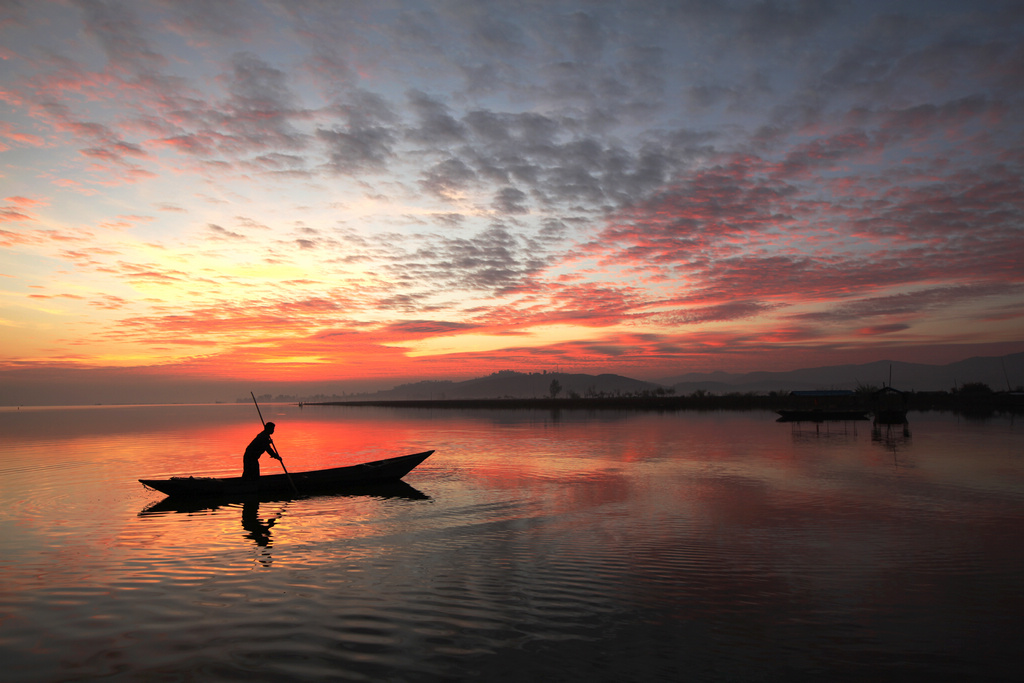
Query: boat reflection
x=396, y=489
x=258, y=528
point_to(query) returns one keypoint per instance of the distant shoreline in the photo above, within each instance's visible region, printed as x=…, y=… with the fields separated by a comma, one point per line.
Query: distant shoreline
x=633, y=403
x=921, y=401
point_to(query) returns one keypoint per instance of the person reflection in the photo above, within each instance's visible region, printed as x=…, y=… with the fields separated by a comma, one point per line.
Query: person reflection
x=259, y=530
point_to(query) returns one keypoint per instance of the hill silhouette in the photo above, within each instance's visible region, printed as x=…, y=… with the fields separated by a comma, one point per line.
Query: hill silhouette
x=513, y=384
x=997, y=372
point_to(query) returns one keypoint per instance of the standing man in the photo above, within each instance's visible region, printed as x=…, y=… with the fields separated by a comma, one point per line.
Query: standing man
x=257, y=447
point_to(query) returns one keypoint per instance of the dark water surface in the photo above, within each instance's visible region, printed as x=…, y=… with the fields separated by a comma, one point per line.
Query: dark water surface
x=605, y=546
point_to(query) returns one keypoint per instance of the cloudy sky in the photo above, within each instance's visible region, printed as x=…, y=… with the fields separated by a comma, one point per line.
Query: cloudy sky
x=381, y=190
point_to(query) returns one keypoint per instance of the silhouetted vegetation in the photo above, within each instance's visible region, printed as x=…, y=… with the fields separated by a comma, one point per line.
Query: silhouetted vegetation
x=556, y=388
x=973, y=389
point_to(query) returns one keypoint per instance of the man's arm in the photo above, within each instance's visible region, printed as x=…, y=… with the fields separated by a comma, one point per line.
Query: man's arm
x=273, y=451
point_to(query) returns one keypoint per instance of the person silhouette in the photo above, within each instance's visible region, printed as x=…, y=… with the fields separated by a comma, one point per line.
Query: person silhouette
x=256, y=448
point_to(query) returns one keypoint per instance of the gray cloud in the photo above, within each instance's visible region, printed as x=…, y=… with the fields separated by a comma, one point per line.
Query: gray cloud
x=120, y=32
x=446, y=178
x=366, y=139
x=494, y=260
x=224, y=18
x=358, y=149
x=733, y=310
x=414, y=329
x=259, y=107
x=913, y=304
x=222, y=233
x=435, y=124
x=510, y=200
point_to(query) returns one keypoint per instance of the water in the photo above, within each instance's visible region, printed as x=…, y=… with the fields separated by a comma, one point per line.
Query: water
x=573, y=546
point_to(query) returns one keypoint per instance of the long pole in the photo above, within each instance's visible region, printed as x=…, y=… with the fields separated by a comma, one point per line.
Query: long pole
x=273, y=445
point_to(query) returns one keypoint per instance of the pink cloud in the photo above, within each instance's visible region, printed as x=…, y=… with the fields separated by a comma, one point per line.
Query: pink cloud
x=26, y=202
x=9, y=214
x=56, y=296
x=20, y=138
x=875, y=330
x=420, y=329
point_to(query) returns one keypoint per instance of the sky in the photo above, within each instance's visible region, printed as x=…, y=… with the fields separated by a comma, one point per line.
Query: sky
x=358, y=193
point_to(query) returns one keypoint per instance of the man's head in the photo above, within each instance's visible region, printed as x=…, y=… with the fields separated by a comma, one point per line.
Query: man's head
x=270, y=428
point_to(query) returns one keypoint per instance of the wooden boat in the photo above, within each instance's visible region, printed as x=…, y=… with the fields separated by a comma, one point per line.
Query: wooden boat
x=316, y=481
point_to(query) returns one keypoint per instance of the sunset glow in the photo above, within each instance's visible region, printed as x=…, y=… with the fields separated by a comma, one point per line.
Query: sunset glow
x=369, y=193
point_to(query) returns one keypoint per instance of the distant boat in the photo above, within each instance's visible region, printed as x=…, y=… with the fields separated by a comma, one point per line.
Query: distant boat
x=315, y=481
x=820, y=415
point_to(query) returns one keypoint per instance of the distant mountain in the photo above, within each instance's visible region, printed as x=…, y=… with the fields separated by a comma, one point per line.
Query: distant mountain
x=511, y=384
x=67, y=386
x=993, y=371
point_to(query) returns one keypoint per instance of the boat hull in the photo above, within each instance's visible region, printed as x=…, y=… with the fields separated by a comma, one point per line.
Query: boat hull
x=318, y=481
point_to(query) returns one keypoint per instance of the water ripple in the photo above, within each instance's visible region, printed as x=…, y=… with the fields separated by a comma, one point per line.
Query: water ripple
x=592, y=555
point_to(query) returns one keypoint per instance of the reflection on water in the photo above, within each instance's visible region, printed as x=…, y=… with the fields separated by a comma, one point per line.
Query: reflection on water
x=894, y=437
x=395, y=489
x=585, y=546
x=258, y=529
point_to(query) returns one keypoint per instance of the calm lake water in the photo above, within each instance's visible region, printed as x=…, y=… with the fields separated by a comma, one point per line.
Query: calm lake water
x=577, y=546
